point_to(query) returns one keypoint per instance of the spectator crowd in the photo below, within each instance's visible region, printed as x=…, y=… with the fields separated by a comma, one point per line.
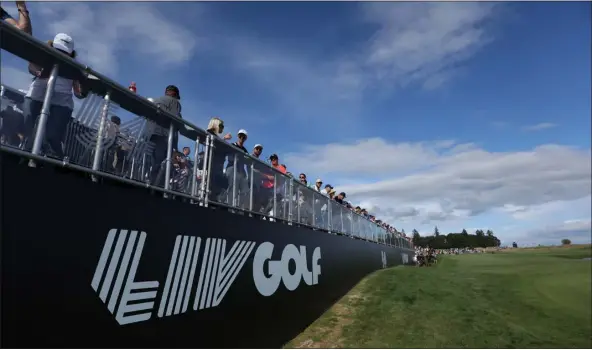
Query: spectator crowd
x=234, y=179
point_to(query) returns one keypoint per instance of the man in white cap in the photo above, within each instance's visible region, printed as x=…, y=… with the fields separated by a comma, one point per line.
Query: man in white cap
x=257, y=150
x=62, y=102
x=317, y=185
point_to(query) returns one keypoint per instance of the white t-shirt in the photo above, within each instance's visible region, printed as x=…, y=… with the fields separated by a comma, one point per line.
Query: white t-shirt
x=62, y=93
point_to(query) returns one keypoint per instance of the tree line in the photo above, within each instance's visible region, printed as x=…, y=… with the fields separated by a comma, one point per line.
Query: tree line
x=481, y=239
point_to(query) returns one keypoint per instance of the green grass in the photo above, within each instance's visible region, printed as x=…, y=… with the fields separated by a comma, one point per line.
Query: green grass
x=538, y=298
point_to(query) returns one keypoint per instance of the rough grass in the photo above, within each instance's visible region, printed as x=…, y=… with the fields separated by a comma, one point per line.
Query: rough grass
x=538, y=298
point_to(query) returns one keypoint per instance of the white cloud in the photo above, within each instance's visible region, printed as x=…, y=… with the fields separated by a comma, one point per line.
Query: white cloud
x=424, y=42
x=434, y=182
x=413, y=43
x=540, y=126
x=103, y=31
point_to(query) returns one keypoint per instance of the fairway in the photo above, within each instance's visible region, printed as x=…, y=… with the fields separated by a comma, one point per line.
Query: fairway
x=531, y=298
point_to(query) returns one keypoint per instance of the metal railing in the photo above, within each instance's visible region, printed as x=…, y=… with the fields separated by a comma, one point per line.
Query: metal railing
x=220, y=174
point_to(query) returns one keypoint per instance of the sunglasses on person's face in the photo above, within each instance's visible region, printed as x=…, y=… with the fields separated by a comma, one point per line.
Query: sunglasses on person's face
x=259, y=149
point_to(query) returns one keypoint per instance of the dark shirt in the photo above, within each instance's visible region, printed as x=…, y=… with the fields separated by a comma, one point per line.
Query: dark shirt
x=169, y=104
x=241, y=161
x=172, y=106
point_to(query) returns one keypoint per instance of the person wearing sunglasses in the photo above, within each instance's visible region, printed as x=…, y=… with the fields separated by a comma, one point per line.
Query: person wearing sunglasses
x=302, y=178
x=257, y=150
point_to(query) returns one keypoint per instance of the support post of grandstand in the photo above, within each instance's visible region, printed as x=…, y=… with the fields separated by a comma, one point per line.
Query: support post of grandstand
x=194, y=174
x=274, y=194
x=234, y=165
x=167, y=173
x=41, y=123
x=207, y=168
x=251, y=182
x=99, y=145
x=1, y=91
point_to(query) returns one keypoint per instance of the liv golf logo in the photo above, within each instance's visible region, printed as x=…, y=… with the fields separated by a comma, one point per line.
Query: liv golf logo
x=405, y=258
x=114, y=278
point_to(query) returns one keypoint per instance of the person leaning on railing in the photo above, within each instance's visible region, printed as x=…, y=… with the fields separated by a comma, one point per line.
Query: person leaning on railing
x=62, y=103
x=24, y=21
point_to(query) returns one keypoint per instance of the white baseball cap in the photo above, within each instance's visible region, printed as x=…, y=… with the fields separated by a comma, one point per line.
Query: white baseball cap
x=258, y=146
x=242, y=131
x=63, y=42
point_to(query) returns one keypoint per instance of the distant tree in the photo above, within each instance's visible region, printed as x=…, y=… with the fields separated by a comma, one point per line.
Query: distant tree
x=514, y=245
x=455, y=240
x=565, y=241
x=479, y=233
x=416, y=238
x=489, y=233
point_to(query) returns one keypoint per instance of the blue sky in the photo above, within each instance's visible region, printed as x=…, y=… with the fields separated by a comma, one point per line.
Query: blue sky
x=473, y=115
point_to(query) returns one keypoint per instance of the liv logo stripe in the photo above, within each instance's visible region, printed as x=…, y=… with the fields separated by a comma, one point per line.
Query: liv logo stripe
x=112, y=265
x=177, y=287
x=219, y=270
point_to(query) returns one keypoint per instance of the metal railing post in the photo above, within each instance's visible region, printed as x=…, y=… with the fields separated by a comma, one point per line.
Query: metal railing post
x=298, y=203
x=291, y=201
x=1, y=95
x=194, y=173
x=341, y=216
x=202, y=185
x=234, y=164
x=274, y=194
x=167, y=174
x=42, y=122
x=314, y=216
x=251, y=186
x=100, y=134
x=208, y=172
x=329, y=216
